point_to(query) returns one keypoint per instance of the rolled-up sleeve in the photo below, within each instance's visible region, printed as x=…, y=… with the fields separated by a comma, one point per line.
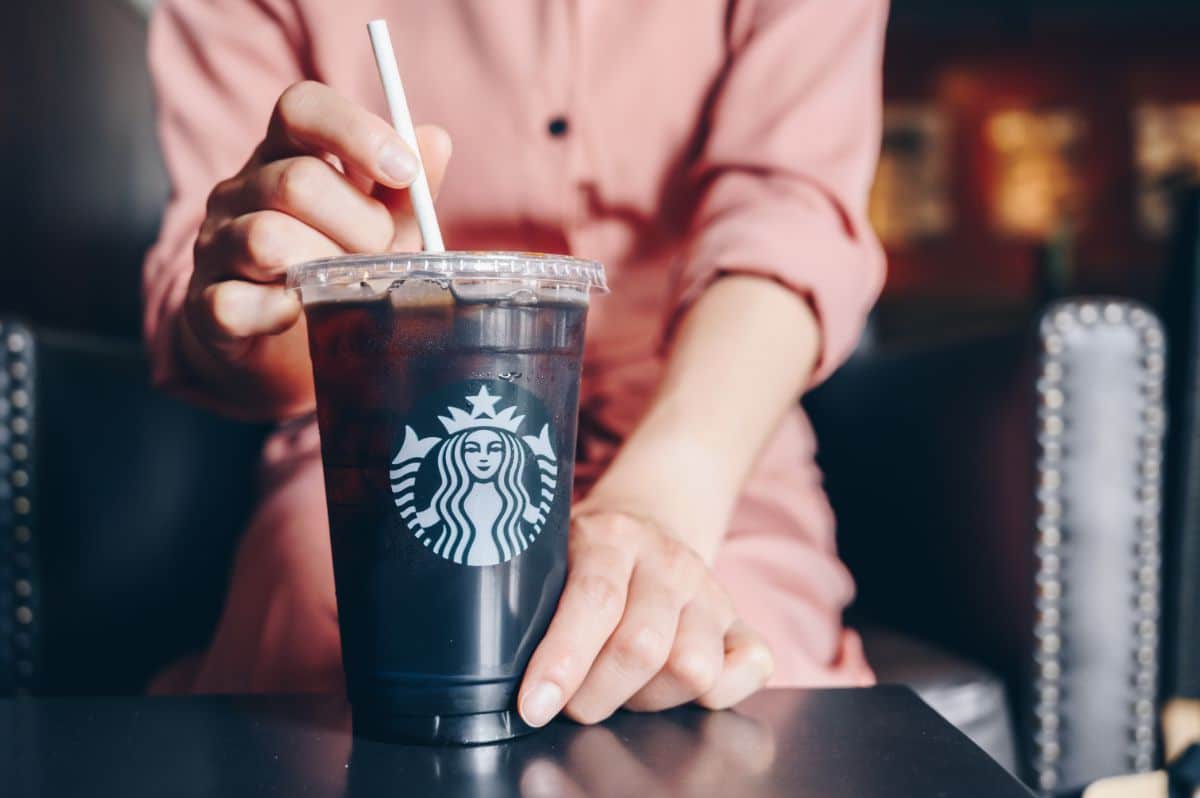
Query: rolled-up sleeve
x=218, y=66
x=787, y=163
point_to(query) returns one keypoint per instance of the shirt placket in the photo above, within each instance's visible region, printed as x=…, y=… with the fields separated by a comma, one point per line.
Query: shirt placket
x=562, y=125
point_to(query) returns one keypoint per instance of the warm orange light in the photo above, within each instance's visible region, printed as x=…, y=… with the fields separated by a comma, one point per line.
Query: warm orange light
x=1037, y=186
x=1166, y=152
x=910, y=196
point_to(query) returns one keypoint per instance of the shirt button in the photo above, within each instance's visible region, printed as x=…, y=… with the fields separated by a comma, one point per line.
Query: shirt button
x=557, y=126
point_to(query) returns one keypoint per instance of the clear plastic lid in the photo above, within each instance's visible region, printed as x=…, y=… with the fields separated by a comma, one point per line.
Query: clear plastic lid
x=354, y=270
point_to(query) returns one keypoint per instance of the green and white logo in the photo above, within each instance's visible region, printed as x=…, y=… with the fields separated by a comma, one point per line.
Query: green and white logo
x=480, y=494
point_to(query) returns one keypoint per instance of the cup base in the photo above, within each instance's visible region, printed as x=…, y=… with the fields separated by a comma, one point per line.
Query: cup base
x=475, y=729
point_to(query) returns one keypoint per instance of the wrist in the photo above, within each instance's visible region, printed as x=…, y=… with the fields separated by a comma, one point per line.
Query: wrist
x=673, y=479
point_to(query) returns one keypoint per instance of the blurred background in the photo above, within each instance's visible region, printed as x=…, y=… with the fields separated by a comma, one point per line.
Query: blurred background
x=1032, y=149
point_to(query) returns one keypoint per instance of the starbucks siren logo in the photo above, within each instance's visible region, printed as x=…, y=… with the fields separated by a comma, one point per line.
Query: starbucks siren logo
x=480, y=511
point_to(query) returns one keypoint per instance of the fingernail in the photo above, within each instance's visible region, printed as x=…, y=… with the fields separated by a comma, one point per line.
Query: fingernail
x=398, y=163
x=541, y=703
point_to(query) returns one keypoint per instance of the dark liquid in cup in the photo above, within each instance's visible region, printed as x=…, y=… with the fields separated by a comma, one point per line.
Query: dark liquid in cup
x=448, y=439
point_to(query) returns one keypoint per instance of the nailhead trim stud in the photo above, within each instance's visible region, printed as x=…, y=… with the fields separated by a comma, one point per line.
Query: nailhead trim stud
x=1050, y=544
x=16, y=491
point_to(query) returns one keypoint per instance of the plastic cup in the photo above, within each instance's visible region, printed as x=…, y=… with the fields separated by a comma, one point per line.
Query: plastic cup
x=447, y=398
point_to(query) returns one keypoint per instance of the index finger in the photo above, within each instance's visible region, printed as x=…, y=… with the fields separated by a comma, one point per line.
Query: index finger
x=592, y=603
x=311, y=118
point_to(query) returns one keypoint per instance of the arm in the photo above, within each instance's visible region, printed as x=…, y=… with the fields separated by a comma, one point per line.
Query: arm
x=782, y=267
x=781, y=270
x=739, y=360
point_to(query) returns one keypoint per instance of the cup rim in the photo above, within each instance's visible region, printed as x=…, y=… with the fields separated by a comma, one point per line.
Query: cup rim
x=475, y=265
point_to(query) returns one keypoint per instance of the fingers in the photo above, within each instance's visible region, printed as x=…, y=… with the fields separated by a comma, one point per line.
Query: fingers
x=694, y=664
x=336, y=166
x=748, y=665
x=258, y=246
x=314, y=192
x=233, y=310
x=641, y=623
x=642, y=642
x=305, y=194
x=592, y=604
x=311, y=119
x=435, y=146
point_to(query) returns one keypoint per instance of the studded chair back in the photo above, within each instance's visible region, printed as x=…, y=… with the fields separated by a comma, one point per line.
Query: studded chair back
x=1100, y=431
x=18, y=602
x=999, y=496
x=119, y=511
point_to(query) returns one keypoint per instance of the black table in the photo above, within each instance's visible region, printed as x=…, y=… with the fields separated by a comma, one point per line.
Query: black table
x=880, y=741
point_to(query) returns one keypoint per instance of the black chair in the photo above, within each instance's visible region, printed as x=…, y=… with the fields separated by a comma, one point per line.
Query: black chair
x=1180, y=310
x=119, y=512
x=1000, y=497
x=998, y=502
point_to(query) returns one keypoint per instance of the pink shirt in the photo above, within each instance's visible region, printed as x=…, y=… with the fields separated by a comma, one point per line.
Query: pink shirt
x=703, y=137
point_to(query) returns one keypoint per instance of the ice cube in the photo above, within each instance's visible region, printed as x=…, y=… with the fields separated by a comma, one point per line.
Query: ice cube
x=515, y=291
x=420, y=292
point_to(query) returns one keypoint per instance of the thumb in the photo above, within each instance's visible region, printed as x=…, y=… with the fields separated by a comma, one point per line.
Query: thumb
x=435, y=146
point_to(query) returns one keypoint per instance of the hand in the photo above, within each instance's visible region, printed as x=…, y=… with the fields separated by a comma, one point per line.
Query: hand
x=324, y=181
x=643, y=624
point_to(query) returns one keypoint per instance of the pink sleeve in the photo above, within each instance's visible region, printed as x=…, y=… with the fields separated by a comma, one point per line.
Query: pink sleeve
x=786, y=168
x=218, y=66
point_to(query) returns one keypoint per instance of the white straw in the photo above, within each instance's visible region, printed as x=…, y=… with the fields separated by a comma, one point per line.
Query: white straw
x=393, y=89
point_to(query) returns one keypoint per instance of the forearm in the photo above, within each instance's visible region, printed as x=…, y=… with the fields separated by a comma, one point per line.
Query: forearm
x=739, y=360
